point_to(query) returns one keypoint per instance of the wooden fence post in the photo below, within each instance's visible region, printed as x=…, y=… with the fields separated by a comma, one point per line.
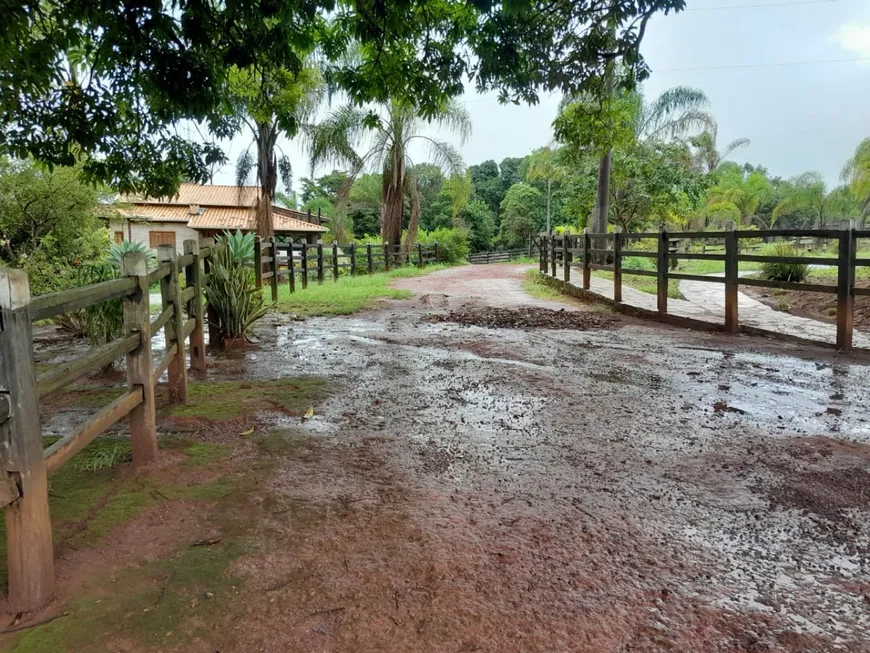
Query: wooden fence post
x=662, y=272
x=587, y=271
x=258, y=262
x=335, y=260
x=211, y=318
x=437, y=258
x=617, y=265
x=174, y=329
x=137, y=319
x=352, y=248
x=291, y=273
x=386, y=257
x=731, y=267
x=319, y=261
x=304, y=262
x=845, y=286
x=273, y=251
x=369, y=257
x=420, y=255
x=566, y=258
x=553, y=256
x=542, y=258
x=28, y=525
x=193, y=279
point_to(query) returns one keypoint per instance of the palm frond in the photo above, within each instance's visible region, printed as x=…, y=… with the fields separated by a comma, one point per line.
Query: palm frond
x=334, y=140
x=456, y=119
x=733, y=145
x=445, y=156
x=674, y=114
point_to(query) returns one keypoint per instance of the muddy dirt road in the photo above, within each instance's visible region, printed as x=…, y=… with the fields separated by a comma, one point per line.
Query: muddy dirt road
x=630, y=487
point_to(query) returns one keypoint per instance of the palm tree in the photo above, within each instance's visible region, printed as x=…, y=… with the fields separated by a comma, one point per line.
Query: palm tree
x=271, y=104
x=856, y=173
x=673, y=115
x=386, y=135
x=737, y=196
x=807, y=191
x=706, y=157
x=544, y=166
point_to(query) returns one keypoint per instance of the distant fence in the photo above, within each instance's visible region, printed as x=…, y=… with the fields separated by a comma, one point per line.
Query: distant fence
x=497, y=257
x=300, y=263
x=588, y=252
x=24, y=464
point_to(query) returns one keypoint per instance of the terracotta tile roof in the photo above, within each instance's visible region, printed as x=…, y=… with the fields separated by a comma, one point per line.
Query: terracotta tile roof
x=162, y=212
x=231, y=219
x=214, y=207
x=205, y=196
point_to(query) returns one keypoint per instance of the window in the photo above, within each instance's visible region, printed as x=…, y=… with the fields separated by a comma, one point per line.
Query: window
x=158, y=238
x=119, y=236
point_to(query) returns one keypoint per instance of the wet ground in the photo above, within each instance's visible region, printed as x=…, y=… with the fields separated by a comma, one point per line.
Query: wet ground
x=622, y=487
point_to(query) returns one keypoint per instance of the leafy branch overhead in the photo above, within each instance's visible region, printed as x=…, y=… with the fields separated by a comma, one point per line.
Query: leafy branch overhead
x=122, y=89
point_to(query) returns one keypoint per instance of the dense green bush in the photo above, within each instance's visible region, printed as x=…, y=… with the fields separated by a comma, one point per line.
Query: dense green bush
x=796, y=272
x=453, y=245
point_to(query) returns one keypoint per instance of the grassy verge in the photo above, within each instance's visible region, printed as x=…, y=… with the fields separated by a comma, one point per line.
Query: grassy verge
x=347, y=295
x=536, y=287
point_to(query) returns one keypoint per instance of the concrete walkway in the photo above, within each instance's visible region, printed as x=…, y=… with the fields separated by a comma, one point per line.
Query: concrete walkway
x=751, y=312
x=705, y=302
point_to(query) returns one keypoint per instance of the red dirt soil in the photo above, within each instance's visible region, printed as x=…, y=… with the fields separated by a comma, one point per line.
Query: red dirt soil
x=468, y=488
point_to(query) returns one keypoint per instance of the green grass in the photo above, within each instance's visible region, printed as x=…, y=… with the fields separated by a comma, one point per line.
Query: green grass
x=347, y=295
x=229, y=399
x=535, y=285
x=644, y=284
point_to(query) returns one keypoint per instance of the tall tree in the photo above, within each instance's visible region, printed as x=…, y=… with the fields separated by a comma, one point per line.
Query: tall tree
x=487, y=185
x=674, y=115
x=386, y=136
x=544, y=165
x=707, y=156
x=737, y=195
x=807, y=191
x=272, y=103
x=521, y=214
x=856, y=173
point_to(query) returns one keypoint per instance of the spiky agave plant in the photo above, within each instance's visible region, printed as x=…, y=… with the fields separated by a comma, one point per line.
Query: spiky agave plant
x=231, y=293
x=240, y=246
x=117, y=251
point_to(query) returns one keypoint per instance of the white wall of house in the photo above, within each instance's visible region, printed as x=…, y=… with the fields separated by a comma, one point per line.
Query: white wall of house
x=148, y=233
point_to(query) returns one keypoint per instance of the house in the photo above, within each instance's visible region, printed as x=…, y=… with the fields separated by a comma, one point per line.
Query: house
x=198, y=211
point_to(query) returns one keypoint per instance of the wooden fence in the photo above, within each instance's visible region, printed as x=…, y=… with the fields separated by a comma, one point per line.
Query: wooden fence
x=506, y=256
x=300, y=263
x=607, y=252
x=25, y=464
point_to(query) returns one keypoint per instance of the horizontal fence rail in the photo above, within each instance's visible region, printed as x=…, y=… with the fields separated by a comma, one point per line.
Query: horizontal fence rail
x=26, y=464
x=482, y=258
x=300, y=263
x=608, y=252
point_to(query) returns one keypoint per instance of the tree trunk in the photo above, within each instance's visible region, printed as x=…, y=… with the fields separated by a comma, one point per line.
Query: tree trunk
x=414, y=223
x=267, y=174
x=602, y=206
x=394, y=200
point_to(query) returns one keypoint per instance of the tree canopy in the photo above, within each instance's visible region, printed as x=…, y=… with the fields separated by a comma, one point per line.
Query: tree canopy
x=107, y=86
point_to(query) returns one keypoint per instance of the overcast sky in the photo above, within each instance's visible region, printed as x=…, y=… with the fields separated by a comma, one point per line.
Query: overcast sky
x=798, y=115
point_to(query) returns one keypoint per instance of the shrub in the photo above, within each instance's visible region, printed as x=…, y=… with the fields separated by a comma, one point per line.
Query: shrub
x=453, y=244
x=796, y=272
x=239, y=246
x=638, y=263
x=230, y=291
x=117, y=251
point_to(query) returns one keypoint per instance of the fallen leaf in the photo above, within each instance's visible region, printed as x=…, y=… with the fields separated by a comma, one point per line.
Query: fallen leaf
x=308, y=414
x=248, y=432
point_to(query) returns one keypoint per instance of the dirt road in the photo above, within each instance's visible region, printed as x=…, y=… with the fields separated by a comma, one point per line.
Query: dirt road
x=626, y=488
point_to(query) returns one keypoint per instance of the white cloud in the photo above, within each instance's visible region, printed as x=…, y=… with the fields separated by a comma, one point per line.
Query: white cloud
x=854, y=38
